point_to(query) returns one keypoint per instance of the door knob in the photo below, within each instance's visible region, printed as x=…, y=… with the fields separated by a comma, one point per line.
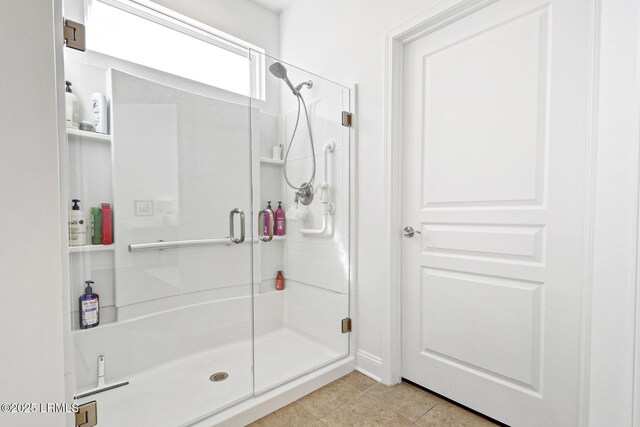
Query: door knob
x=409, y=231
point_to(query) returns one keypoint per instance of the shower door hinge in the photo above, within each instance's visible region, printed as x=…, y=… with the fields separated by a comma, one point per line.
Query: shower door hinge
x=347, y=119
x=346, y=325
x=74, y=35
x=87, y=415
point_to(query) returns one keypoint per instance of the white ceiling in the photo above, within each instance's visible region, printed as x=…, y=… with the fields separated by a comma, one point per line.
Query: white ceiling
x=275, y=5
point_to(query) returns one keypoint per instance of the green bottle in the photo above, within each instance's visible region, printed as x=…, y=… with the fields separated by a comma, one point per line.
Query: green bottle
x=96, y=226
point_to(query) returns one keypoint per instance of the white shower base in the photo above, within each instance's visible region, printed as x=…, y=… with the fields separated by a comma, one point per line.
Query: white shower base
x=180, y=392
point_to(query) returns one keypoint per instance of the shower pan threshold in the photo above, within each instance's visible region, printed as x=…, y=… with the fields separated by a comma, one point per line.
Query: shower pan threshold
x=180, y=393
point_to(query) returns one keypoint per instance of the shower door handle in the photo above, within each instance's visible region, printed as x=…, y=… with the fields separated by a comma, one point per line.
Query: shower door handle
x=261, y=235
x=232, y=227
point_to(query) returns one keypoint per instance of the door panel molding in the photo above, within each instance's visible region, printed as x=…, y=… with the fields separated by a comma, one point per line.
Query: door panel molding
x=479, y=346
x=524, y=243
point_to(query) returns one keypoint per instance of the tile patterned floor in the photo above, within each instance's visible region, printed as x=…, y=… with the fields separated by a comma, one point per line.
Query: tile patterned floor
x=356, y=400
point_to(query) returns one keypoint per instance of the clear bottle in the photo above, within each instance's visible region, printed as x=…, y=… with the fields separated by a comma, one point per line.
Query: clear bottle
x=99, y=110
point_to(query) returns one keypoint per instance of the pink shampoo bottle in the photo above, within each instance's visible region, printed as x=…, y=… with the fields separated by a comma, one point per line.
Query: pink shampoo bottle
x=280, y=226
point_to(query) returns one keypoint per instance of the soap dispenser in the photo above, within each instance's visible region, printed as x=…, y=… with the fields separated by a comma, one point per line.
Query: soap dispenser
x=267, y=220
x=89, y=307
x=77, y=225
x=72, y=108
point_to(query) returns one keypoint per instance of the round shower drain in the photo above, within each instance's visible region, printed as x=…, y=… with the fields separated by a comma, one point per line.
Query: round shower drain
x=218, y=376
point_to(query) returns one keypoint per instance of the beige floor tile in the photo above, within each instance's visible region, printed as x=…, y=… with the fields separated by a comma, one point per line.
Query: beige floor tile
x=289, y=416
x=404, y=398
x=358, y=381
x=328, y=398
x=447, y=415
x=363, y=412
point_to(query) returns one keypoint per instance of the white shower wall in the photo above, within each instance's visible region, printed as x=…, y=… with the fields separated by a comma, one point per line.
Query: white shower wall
x=151, y=177
x=319, y=260
x=89, y=70
x=190, y=156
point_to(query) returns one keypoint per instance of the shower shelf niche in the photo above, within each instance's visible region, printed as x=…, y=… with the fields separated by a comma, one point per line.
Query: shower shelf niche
x=103, y=324
x=90, y=248
x=92, y=136
x=90, y=177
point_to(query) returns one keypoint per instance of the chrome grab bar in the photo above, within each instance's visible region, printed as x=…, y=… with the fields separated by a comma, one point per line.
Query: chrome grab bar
x=272, y=224
x=141, y=247
x=232, y=236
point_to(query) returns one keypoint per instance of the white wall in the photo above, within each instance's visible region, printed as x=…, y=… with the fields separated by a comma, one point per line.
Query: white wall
x=31, y=359
x=352, y=51
x=344, y=42
x=616, y=216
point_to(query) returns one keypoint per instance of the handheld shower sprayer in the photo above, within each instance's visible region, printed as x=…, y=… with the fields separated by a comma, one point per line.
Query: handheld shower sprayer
x=304, y=192
x=278, y=70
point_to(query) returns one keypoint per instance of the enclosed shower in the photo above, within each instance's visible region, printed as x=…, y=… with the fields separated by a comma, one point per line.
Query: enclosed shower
x=190, y=320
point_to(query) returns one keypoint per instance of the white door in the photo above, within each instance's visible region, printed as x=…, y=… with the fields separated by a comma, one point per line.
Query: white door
x=495, y=132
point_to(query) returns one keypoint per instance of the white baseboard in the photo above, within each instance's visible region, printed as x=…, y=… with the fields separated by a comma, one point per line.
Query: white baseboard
x=369, y=365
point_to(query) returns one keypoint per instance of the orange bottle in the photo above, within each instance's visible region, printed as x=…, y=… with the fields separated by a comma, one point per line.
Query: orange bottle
x=279, y=281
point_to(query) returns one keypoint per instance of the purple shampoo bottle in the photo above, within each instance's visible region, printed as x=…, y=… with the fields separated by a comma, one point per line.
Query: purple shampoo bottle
x=89, y=307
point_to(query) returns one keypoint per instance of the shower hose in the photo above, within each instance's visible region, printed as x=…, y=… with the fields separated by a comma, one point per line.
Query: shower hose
x=313, y=152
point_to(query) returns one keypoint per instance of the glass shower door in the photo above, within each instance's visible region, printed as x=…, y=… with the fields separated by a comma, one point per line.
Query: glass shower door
x=174, y=342
x=302, y=276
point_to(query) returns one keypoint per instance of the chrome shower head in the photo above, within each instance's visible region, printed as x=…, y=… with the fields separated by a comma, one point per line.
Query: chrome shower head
x=279, y=70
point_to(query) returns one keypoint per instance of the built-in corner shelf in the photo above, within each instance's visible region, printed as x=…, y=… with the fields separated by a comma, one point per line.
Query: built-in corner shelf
x=271, y=161
x=276, y=238
x=103, y=324
x=90, y=248
x=93, y=136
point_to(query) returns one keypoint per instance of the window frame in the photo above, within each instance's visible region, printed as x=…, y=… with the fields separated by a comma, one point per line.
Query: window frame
x=175, y=21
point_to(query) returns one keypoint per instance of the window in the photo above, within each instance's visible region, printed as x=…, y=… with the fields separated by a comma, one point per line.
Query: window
x=161, y=39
